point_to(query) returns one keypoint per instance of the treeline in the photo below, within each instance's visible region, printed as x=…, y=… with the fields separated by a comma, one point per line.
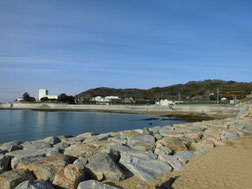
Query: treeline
x=206, y=90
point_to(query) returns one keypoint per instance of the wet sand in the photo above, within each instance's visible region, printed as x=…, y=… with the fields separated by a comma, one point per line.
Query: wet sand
x=228, y=166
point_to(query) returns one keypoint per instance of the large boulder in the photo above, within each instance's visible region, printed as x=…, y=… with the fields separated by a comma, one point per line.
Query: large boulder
x=35, y=145
x=171, y=160
x=125, y=150
x=93, y=184
x=4, y=163
x=160, y=149
x=183, y=156
x=78, y=150
x=69, y=177
x=47, y=167
x=141, y=142
x=144, y=169
x=20, y=154
x=10, y=179
x=173, y=143
x=37, y=184
x=11, y=146
x=103, y=167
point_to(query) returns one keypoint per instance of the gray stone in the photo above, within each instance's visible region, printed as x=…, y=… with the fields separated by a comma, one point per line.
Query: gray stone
x=158, y=136
x=146, y=131
x=102, y=165
x=80, y=163
x=229, y=135
x=10, y=179
x=173, y=161
x=4, y=163
x=125, y=150
x=239, y=127
x=162, y=150
x=141, y=142
x=144, y=169
x=37, y=184
x=165, y=131
x=20, y=154
x=37, y=144
x=93, y=184
x=183, y=156
x=70, y=140
x=11, y=146
x=155, y=130
x=119, y=140
x=51, y=140
x=61, y=146
x=99, y=137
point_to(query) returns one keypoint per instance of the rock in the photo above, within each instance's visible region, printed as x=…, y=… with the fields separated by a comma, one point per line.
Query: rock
x=47, y=167
x=183, y=156
x=146, y=131
x=213, y=133
x=99, y=137
x=160, y=149
x=141, y=142
x=70, y=140
x=37, y=184
x=20, y=154
x=144, y=169
x=229, y=135
x=158, y=136
x=173, y=161
x=102, y=165
x=61, y=146
x=80, y=163
x=93, y=184
x=204, y=146
x=11, y=146
x=155, y=130
x=118, y=140
x=173, y=143
x=51, y=140
x=165, y=131
x=125, y=150
x=4, y=163
x=10, y=179
x=69, y=178
x=78, y=150
x=83, y=136
x=37, y=144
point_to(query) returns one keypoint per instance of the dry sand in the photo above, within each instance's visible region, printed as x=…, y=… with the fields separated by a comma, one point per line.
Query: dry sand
x=228, y=166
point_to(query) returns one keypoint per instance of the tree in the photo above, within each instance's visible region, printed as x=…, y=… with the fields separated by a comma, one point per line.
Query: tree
x=26, y=97
x=66, y=99
x=44, y=99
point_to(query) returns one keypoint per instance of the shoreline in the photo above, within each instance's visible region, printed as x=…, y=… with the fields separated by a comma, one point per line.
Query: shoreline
x=191, y=112
x=113, y=158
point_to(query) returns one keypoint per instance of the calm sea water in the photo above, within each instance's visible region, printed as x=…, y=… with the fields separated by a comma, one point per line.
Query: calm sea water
x=31, y=125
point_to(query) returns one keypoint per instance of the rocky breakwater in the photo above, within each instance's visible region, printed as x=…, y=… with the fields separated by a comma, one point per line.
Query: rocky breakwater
x=89, y=159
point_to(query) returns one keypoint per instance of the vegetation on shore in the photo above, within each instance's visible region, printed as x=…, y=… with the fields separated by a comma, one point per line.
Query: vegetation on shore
x=199, y=90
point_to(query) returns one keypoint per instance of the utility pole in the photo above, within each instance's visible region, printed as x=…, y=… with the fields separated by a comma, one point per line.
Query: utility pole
x=218, y=91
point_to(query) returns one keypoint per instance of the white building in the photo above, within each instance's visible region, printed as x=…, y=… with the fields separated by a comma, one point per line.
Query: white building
x=43, y=93
x=165, y=102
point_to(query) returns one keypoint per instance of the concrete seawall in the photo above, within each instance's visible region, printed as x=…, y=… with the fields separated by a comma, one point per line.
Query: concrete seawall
x=215, y=111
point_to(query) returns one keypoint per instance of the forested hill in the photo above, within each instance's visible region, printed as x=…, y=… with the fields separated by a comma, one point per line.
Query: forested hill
x=205, y=89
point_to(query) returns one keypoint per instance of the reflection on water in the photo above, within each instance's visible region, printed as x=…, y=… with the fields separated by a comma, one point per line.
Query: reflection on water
x=31, y=125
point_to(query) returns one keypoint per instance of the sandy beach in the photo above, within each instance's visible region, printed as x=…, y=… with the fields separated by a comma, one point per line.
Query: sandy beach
x=228, y=166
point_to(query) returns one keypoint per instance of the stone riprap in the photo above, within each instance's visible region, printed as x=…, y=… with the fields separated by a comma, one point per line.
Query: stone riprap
x=85, y=161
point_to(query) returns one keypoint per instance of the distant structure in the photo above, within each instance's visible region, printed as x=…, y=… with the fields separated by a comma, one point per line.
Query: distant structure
x=165, y=102
x=105, y=100
x=43, y=93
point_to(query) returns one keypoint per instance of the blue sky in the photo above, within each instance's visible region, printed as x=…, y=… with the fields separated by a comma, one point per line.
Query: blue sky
x=71, y=46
